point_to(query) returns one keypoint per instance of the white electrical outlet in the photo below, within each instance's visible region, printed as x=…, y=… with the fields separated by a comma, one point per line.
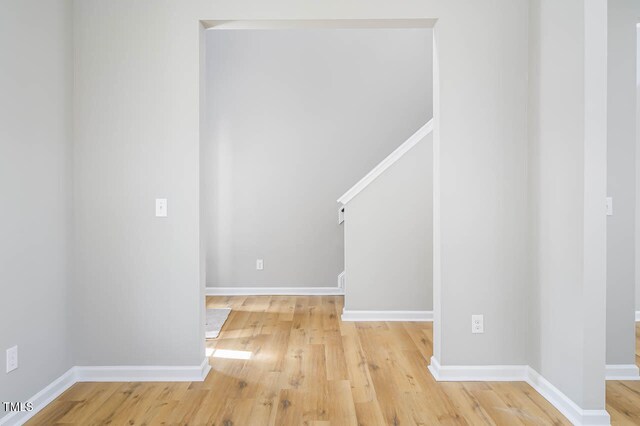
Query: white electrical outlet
x=161, y=207
x=12, y=359
x=259, y=264
x=477, y=324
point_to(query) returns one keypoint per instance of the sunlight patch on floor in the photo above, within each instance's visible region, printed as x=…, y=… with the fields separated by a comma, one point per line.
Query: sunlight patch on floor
x=228, y=354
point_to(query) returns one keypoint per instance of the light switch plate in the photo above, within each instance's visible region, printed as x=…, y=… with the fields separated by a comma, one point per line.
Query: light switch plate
x=259, y=264
x=12, y=359
x=161, y=207
x=609, y=206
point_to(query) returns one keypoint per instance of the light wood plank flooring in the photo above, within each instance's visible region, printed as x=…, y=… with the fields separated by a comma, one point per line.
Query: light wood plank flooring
x=309, y=368
x=623, y=398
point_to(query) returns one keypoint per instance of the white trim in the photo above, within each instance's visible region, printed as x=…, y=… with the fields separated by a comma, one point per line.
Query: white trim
x=477, y=373
x=638, y=312
x=434, y=368
x=41, y=399
x=271, y=24
x=521, y=373
x=348, y=315
x=387, y=162
x=274, y=291
x=622, y=372
x=144, y=373
x=564, y=404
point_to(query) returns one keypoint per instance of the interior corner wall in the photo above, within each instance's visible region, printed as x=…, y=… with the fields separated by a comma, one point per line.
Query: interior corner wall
x=621, y=181
x=295, y=118
x=36, y=84
x=567, y=122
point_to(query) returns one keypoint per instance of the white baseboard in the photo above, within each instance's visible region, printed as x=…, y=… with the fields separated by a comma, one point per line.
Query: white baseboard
x=144, y=373
x=622, y=372
x=477, y=373
x=520, y=373
x=387, y=315
x=196, y=373
x=637, y=316
x=565, y=405
x=274, y=291
x=41, y=399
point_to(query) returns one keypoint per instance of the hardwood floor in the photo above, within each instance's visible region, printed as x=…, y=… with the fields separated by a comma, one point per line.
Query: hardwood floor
x=307, y=367
x=623, y=398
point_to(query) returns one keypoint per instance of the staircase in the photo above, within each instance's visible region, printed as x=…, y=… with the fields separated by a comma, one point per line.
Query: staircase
x=388, y=236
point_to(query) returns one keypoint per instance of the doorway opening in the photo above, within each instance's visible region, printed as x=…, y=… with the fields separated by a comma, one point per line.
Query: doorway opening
x=294, y=113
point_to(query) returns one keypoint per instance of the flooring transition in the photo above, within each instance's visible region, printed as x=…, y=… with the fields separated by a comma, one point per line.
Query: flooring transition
x=307, y=367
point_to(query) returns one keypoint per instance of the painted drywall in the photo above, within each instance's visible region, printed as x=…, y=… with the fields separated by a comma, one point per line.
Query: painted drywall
x=295, y=118
x=137, y=137
x=621, y=176
x=637, y=168
x=137, y=110
x=138, y=294
x=137, y=288
x=388, y=237
x=35, y=172
x=480, y=208
x=567, y=124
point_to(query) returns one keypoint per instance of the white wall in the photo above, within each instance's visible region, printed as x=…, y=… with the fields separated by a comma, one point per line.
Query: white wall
x=295, y=118
x=137, y=296
x=480, y=208
x=138, y=293
x=388, y=237
x=35, y=172
x=138, y=110
x=567, y=122
x=137, y=138
x=637, y=270
x=477, y=175
x=621, y=176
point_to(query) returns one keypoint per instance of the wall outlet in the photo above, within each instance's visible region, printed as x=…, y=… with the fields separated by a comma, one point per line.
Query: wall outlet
x=259, y=264
x=161, y=207
x=12, y=359
x=477, y=324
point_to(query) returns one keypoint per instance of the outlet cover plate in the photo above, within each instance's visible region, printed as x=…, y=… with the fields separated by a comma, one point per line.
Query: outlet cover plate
x=477, y=324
